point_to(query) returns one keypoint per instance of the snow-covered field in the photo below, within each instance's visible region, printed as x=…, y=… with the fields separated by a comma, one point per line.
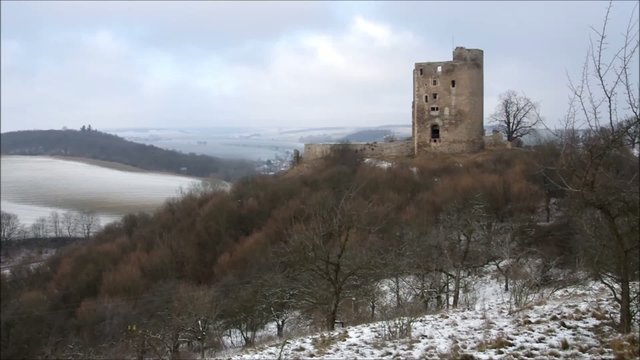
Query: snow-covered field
x=571, y=323
x=33, y=186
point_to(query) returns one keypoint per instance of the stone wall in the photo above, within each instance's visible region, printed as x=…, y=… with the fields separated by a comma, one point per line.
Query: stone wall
x=496, y=141
x=375, y=150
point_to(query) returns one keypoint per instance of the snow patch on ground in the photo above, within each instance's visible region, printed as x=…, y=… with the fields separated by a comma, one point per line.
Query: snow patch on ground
x=379, y=163
x=574, y=322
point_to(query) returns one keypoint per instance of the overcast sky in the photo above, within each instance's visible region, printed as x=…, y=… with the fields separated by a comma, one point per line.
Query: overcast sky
x=301, y=64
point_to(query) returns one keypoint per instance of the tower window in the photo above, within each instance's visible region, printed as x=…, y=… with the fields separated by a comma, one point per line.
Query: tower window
x=434, y=96
x=435, y=132
x=426, y=98
x=453, y=83
x=435, y=108
x=434, y=82
x=439, y=69
x=420, y=72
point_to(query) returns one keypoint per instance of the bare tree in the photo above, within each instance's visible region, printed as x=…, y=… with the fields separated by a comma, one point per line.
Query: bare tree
x=596, y=167
x=39, y=228
x=516, y=115
x=632, y=127
x=459, y=234
x=55, y=224
x=326, y=250
x=244, y=313
x=70, y=223
x=10, y=226
x=89, y=223
x=278, y=299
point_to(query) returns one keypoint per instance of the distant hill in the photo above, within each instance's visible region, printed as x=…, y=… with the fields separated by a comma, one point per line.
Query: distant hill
x=102, y=146
x=370, y=135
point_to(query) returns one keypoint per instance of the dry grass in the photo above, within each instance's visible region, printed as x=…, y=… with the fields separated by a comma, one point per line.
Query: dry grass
x=598, y=315
x=554, y=353
x=323, y=342
x=499, y=342
x=564, y=344
x=625, y=347
x=300, y=349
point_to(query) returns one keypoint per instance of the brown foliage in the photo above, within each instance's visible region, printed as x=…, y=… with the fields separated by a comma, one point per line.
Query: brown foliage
x=124, y=281
x=272, y=233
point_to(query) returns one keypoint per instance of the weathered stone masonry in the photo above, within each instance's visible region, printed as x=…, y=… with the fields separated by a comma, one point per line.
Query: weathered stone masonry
x=447, y=111
x=448, y=104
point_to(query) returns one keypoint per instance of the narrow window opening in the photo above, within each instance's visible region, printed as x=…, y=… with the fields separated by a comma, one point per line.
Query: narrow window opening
x=420, y=72
x=439, y=68
x=426, y=98
x=434, y=82
x=434, y=96
x=435, y=108
x=453, y=83
x=435, y=133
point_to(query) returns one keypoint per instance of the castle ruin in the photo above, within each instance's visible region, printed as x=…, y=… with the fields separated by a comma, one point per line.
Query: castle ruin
x=447, y=107
x=447, y=111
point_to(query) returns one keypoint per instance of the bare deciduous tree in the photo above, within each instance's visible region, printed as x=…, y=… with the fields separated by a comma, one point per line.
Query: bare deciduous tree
x=10, y=226
x=69, y=223
x=55, y=224
x=596, y=167
x=89, y=223
x=39, y=228
x=459, y=234
x=516, y=115
x=326, y=248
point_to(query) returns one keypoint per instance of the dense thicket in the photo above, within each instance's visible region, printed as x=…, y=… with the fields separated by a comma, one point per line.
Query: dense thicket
x=102, y=146
x=313, y=243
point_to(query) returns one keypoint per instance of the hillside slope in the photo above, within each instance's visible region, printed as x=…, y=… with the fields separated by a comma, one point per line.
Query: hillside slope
x=573, y=323
x=107, y=147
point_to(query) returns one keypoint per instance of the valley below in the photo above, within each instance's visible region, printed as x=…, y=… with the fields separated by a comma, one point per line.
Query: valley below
x=33, y=186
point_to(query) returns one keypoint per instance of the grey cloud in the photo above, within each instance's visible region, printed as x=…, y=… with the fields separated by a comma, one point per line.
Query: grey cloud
x=173, y=24
x=119, y=64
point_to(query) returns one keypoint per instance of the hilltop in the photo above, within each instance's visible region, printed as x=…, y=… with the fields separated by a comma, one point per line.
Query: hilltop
x=101, y=146
x=343, y=241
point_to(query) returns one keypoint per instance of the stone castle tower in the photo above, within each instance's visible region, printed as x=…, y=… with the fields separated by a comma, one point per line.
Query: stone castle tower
x=447, y=108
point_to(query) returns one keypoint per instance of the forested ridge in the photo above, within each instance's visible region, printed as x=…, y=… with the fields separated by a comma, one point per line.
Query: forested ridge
x=307, y=245
x=314, y=245
x=98, y=145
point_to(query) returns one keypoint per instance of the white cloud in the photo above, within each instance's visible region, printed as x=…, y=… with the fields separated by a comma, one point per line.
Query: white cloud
x=325, y=50
x=381, y=34
x=276, y=63
x=9, y=53
x=331, y=78
x=361, y=75
x=104, y=43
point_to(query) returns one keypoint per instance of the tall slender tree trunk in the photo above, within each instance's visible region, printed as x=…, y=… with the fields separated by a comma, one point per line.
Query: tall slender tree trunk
x=438, y=286
x=396, y=282
x=456, y=288
x=625, y=296
x=280, y=328
x=506, y=282
x=331, y=318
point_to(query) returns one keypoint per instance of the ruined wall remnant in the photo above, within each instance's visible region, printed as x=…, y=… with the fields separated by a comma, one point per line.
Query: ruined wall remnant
x=496, y=141
x=448, y=104
x=383, y=150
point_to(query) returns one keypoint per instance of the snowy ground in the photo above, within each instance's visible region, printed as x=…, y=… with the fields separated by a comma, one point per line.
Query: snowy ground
x=572, y=323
